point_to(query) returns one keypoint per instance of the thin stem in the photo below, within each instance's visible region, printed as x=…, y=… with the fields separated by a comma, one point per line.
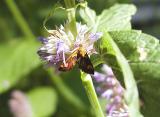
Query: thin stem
x=71, y=11
x=19, y=18
x=69, y=3
x=88, y=85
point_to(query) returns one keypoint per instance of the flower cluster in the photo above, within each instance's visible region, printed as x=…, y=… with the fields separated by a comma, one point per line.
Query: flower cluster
x=61, y=43
x=110, y=89
x=20, y=105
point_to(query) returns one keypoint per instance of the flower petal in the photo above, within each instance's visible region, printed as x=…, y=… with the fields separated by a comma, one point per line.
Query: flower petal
x=43, y=40
x=95, y=36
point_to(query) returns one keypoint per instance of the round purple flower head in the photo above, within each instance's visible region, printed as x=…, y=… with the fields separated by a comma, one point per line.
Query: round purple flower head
x=61, y=43
x=110, y=89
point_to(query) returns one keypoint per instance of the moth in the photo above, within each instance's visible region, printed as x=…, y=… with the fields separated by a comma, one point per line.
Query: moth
x=80, y=57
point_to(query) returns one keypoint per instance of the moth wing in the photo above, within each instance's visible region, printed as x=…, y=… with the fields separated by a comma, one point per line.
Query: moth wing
x=70, y=63
x=85, y=64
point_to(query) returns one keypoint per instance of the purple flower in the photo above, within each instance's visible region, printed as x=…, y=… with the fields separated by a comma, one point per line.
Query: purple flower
x=43, y=40
x=19, y=105
x=108, y=87
x=61, y=43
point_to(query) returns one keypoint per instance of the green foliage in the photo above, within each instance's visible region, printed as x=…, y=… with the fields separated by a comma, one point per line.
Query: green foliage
x=43, y=101
x=116, y=18
x=133, y=103
x=146, y=70
x=18, y=60
x=88, y=15
x=121, y=47
x=113, y=19
x=144, y=58
x=141, y=51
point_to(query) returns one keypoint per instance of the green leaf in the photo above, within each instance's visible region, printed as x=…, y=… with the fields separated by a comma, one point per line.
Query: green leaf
x=106, y=44
x=43, y=101
x=18, y=60
x=149, y=93
x=143, y=52
x=116, y=18
x=113, y=19
x=88, y=15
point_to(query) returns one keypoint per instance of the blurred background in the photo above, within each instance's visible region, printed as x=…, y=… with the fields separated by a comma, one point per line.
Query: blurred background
x=22, y=73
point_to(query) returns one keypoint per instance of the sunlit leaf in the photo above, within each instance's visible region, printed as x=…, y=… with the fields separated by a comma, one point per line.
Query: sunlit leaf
x=116, y=18
x=113, y=19
x=143, y=53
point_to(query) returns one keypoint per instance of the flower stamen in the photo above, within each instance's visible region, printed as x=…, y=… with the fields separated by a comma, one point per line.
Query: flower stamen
x=64, y=60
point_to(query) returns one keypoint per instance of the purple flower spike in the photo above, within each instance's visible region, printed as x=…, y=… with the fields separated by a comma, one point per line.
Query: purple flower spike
x=109, y=107
x=117, y=99
x=111, y=82
x=99, y=77
x=107, y=94
x=107, y=70
x=110, y=89
x=19, y=105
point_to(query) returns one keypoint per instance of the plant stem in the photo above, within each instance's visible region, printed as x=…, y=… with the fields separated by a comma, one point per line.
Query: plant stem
x=69, y=3
x=71, y=11
x=88, y=85
x=19, y=18
x=131, y=94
